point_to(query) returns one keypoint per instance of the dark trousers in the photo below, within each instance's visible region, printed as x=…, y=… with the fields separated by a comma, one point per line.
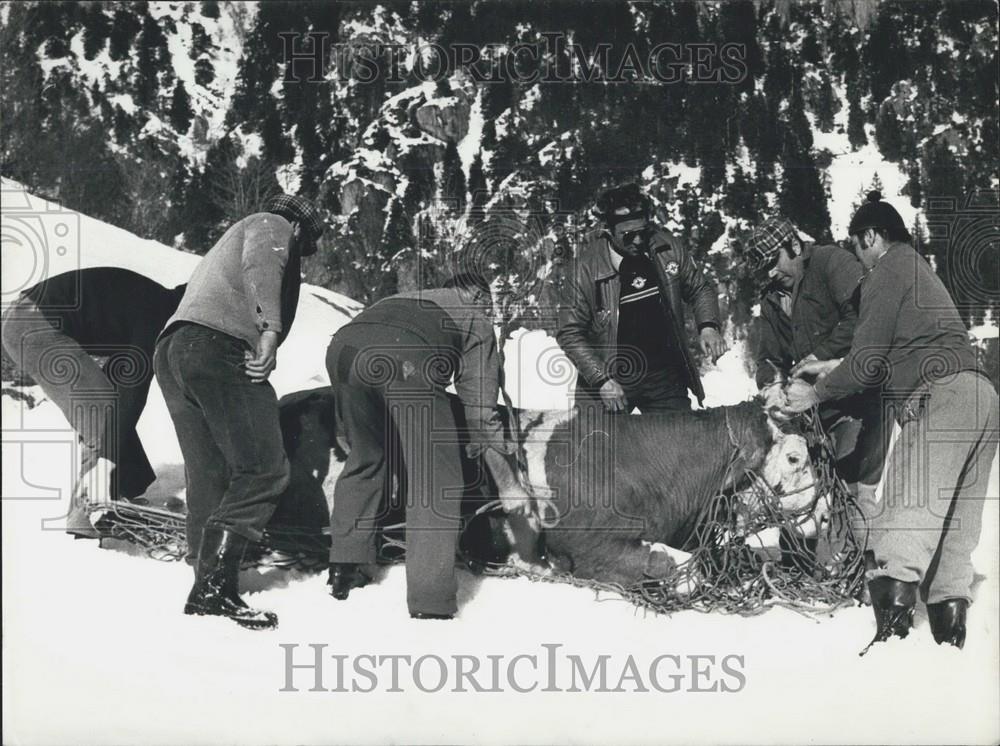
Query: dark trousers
x=865, y=463
x=102, y=405
x=234, y=458
x=397, y=418
x=657, y=391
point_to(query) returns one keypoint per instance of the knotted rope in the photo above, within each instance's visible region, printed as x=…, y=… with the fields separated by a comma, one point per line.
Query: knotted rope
x=726, y=571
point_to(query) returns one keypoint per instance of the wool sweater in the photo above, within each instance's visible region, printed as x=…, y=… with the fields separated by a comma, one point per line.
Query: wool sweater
x=908, y=334
x=237, y=287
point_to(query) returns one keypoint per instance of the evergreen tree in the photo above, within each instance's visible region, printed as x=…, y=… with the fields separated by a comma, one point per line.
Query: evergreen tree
x=201, y=42
x=181, y=113
x=52, y=24
x=419, y=186
x=825, y=104
x=453, y=179
x=856, y=125
x=802, y=197
x=913, y=188
x=739, y=200
x=204, y=72
x=96, y=30
x=478, y=189
x=888, y=133
x=508, y=156
x=797, y=127
x=398, y=234
x=942, y=181
x=152, y=59
x=124, y=28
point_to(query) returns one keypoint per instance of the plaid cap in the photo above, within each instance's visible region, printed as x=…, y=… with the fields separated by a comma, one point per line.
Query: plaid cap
x=762, y=247
x=297, y=210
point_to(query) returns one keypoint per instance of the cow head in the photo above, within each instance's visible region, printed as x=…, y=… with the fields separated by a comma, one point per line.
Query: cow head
x=787, y=468
x=789, y=472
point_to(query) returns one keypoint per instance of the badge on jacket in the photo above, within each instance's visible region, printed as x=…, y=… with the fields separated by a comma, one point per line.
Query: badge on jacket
x=639, y=282
x=671, y=268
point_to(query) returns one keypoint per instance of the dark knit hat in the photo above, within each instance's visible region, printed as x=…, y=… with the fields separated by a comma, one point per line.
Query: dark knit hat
x=298, y=210
x=621, y=203
x=761, y=251
x=876, y=213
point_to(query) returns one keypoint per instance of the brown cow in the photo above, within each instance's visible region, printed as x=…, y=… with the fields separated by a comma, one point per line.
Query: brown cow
x=619, y=487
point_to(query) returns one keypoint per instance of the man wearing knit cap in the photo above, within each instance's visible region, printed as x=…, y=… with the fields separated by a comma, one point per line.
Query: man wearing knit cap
x=212, y=362
x=911, y=341
x=808, y=312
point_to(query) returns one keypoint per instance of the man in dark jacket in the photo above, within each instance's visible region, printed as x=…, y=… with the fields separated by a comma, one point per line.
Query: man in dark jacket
x=911, y=340
x=808, y=312
x=389, y=368
x=625, y=338
x=212, y=362
x=57, y=328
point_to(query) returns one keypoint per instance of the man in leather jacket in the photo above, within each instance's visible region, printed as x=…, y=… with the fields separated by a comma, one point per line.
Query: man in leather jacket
x=624, y=335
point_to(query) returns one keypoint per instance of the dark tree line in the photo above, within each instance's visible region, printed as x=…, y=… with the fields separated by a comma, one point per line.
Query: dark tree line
x=917, y=76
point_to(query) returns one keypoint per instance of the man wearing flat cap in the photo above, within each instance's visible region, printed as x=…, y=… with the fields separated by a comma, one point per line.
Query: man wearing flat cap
x=621, y=321
x=911, y=341
x=212, y=362
x=808, y=311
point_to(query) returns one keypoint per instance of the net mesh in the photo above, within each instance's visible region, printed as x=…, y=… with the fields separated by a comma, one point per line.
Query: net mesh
x=730, y=570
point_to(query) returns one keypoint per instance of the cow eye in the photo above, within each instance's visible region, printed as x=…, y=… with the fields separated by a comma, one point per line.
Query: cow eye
x=794, y=459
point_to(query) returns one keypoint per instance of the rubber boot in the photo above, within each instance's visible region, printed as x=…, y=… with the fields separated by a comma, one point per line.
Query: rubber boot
x=343, y=577
x=947, y=620
x=892, y=601
x=216, y=586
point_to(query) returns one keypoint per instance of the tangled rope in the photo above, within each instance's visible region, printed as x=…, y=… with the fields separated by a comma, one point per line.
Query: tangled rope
x=730, y=570
x=727, y=572
x=161, y=535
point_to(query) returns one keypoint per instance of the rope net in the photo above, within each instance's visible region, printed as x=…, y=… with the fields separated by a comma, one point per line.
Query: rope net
x=731, y=568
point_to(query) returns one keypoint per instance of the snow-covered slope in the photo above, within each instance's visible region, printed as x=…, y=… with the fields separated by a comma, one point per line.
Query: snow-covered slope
x=96, y=649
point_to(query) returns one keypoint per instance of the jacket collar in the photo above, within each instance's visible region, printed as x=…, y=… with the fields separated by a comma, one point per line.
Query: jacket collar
x=604, y=269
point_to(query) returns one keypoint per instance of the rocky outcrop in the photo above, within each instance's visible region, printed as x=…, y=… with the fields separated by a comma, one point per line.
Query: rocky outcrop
x=446, y=119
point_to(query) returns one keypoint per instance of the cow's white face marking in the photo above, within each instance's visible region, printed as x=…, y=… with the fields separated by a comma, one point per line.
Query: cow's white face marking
x=788, y=470
x=536, y=444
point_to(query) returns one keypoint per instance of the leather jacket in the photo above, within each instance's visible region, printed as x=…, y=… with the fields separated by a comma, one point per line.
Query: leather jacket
x=588, y=314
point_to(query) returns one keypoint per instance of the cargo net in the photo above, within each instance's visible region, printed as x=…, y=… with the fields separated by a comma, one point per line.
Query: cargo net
x=732, y=569
x=160, y=534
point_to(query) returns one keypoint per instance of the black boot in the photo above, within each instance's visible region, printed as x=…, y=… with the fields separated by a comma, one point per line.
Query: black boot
x=893, y=602
x=947, y=620
x=343, y=577
x=216, y=585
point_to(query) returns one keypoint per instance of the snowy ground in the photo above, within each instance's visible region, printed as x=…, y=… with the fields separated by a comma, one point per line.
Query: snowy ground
x=96, y=649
